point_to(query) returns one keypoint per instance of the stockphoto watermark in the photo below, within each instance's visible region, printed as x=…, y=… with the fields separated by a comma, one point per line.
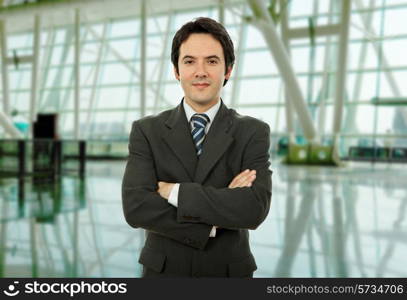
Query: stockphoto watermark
x=69, y=288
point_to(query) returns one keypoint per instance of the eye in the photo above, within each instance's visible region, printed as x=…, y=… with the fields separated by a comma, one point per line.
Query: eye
x=187, y=62
x=213, y=61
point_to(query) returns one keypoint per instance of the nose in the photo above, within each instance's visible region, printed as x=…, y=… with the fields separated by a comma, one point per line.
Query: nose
x=200, y=71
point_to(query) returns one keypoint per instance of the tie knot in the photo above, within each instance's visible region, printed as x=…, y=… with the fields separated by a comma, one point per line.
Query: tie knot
x=199, y=120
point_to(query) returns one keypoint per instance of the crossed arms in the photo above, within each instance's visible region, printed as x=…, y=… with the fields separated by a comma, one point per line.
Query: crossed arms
x=244, y=179
x=244, y=204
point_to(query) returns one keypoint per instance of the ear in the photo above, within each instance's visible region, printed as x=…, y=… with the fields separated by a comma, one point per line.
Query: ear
x=228, y=73
x=176, y=74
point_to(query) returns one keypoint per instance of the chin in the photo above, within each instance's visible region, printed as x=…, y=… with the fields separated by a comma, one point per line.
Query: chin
x=201, y=100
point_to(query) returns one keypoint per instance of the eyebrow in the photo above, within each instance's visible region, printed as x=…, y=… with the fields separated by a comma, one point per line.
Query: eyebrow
x=208, y=57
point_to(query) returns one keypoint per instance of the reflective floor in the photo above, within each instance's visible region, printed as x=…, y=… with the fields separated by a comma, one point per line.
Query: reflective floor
x=323, y=222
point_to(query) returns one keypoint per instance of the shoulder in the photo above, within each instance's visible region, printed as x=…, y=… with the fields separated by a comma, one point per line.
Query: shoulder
x=248, y=124
x=150, y=122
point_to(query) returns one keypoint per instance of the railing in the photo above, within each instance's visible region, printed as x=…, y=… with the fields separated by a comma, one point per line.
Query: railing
x=379, y=154
x=42, y=157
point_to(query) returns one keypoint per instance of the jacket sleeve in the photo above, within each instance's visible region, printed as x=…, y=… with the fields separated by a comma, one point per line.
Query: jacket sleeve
x=142, y=204
x=237, y=208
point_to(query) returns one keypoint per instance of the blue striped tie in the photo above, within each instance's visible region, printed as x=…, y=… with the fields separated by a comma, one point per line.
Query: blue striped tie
x=199, y=122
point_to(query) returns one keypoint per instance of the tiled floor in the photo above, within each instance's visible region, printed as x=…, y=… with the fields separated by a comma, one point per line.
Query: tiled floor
x=323, y=222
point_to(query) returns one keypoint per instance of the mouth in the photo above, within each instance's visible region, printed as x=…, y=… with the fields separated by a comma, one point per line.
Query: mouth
x=201, y=85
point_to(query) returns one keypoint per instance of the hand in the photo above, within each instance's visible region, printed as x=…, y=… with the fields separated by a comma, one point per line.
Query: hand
x=164, y=189
x=244, y=179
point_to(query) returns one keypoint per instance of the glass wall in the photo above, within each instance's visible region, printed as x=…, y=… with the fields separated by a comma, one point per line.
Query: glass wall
x=110, y=67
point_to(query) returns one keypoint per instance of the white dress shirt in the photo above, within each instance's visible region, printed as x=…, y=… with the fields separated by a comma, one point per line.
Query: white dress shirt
x=189, y=112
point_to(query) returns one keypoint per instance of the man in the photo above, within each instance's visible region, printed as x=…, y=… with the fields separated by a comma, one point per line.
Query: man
x=198, y=176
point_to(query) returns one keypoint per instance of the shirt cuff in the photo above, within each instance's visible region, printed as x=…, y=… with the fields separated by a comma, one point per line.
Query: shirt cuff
x=173, y=198
x=213, y=232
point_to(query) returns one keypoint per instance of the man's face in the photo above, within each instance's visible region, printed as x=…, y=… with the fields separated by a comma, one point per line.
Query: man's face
x=201, y=66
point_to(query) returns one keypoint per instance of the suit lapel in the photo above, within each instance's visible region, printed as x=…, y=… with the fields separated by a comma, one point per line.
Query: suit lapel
x=179, y=139
x=215, y=144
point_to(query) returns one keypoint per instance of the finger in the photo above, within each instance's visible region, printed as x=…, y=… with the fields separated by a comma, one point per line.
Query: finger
x=246, y=184
x=232, y=185
x=240, y=180
x=247, y=177
x=237, y=177
x=243, y=178
x=240, y=175
x=250, y=181
x=247, y=181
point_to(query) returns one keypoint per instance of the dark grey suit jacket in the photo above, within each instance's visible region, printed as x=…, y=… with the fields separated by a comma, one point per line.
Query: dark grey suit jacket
x=178, y=244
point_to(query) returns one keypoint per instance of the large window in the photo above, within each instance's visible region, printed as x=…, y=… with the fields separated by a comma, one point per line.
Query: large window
x=110, y=69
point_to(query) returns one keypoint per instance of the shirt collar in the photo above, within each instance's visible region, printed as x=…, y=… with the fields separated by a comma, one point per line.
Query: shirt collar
x=211, y=113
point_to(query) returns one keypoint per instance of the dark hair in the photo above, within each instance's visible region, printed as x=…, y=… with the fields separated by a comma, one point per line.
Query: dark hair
x=204, y=25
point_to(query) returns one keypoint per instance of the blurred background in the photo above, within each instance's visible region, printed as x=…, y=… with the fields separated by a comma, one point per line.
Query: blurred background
x=328, y=76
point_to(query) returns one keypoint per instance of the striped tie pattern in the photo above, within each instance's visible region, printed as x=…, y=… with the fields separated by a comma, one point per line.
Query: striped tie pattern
x=199, y=122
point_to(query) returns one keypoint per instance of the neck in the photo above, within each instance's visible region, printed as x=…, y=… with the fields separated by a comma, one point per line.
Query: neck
x=201, y=107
